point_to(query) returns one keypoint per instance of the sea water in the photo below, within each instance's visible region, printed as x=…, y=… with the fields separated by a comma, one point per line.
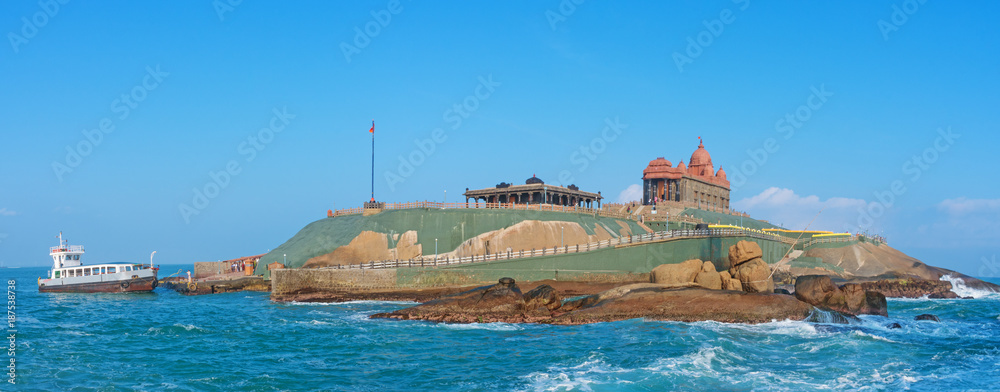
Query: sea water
x=243, y=341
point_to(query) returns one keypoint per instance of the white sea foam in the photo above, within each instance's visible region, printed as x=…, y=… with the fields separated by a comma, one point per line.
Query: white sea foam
x=871, y=336
x=958, y=287
x=579, y=377
x=482, y=326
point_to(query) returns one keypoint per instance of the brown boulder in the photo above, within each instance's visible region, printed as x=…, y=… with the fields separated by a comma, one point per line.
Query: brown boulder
x=728, y=283
x=819, y=290
x=744, y=251
x=677, y=273
x=754, y=276
x=708, y=277
x=542, y=296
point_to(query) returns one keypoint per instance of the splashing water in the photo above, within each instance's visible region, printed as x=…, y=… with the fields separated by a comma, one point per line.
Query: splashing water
x=958, y=287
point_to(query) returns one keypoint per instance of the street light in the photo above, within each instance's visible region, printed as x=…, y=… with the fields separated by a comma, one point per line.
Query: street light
x=435, y=250
x=446, y=196
x=562, y=236
x=284, y=259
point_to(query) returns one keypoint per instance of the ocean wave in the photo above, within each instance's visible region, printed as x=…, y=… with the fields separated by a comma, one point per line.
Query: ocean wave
x=958, y=287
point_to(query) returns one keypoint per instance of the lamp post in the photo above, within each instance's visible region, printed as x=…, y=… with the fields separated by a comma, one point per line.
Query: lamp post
x=446, y=196
x=284, y=259
x=562, y=236
x=435, y=250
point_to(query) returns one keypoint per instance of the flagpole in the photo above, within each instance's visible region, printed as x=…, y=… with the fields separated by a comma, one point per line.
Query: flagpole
x=373, y=161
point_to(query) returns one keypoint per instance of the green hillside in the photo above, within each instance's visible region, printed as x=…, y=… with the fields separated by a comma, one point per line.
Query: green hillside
x=450, y=227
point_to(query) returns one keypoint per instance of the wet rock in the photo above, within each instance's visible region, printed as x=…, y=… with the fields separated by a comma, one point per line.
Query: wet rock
x=927, y=317
x=819, y=291
x=754, y=276
x=894, y=326
x=678, y=273
x=500, y=302
x=684, y=304
x=946, y=294
x=708, y=277
x=910, y=288
x=744, y=251
x=969, y=297
x=542, y=296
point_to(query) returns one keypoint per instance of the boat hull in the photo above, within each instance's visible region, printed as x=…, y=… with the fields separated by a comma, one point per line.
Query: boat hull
x=141, y=284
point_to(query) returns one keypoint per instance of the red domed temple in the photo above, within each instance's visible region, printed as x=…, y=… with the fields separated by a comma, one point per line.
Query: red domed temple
x=697, y=183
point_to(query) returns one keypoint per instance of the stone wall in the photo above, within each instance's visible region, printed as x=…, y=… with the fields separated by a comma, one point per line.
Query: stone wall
x=204, y=269
x=288, y=281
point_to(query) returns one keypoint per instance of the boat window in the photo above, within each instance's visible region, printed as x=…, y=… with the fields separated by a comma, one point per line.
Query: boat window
x=111, y=270
x=56, y=276
x=86, y=272
x=76, y=257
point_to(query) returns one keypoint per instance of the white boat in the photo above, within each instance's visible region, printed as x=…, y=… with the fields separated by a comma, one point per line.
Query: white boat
x=69, y=275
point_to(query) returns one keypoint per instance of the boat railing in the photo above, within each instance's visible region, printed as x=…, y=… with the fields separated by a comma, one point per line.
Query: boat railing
x=67, y=248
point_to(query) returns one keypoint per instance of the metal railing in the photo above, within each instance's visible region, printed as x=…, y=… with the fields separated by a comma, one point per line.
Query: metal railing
x=666, y=235
x=508, y=206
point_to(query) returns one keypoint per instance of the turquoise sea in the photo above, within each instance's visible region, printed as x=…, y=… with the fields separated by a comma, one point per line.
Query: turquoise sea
x=243, y=341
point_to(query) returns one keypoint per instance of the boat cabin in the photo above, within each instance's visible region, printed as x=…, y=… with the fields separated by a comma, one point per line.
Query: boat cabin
x=92, y=270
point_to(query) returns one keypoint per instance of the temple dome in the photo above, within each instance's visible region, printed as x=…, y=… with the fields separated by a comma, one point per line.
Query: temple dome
x=701, y=157
x=534, y=180
x=682, y=166
x=660, y=162
x=721, y=174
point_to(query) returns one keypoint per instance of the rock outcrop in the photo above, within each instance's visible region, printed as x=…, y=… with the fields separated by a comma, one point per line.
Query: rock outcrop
x=502, y=302
x=686, y=304
x=819, y=291
x=754, y=276
x=708, y=277
x=747, y=266
x=911, y=288
x=927, y=317
x=678, y=273
x=744, y=251
x=728, y=283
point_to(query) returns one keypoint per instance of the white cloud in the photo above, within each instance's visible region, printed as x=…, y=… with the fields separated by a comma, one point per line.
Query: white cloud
x=962, y=206
x=630, y=194
x=6, y=212
x=784, y=207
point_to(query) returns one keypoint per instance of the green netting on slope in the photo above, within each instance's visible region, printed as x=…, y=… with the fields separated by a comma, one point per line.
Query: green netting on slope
x=450, y=227
x=726, y=219
x=814, y=262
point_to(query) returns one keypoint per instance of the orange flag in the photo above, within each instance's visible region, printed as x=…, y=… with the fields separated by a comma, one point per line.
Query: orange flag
x=373, y=127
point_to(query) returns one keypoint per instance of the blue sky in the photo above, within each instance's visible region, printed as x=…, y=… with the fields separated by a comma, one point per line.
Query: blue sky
x=810, y=106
